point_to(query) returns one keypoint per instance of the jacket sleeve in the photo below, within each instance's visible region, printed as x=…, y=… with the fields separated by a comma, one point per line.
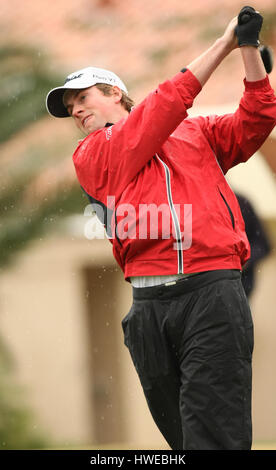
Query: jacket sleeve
x=235, y=137
x=108, y=159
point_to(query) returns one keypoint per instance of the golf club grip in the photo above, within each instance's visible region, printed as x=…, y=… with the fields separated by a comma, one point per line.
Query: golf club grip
x=267, y=58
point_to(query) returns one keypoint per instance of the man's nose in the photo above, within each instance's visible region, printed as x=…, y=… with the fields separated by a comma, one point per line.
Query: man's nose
x=77, y=110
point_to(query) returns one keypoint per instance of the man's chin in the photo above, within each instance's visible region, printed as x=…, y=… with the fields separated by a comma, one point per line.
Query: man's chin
x=89, y=129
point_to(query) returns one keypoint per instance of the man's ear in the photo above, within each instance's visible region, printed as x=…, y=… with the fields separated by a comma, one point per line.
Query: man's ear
x=117, y=94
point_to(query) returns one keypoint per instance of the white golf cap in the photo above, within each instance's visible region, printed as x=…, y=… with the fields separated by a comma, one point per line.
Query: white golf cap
x=83, y=78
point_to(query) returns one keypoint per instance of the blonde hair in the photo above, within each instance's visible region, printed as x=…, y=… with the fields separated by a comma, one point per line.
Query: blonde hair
x=126, y=101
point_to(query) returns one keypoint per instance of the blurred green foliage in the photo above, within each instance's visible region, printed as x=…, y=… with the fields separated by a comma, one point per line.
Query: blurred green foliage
x=19, y=230
x=24, y=81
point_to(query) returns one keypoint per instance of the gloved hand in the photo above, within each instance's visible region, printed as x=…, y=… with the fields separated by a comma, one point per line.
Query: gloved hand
x=249, y=26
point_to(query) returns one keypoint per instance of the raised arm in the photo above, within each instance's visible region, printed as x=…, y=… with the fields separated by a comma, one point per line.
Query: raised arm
x=204, y=65
x=253, y=64
x=243, y=31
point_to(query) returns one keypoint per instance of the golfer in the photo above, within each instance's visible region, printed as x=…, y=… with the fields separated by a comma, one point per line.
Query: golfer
x=189, y=330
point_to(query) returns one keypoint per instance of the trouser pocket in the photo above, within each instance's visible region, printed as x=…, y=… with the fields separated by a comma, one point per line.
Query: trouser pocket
x=133, y=337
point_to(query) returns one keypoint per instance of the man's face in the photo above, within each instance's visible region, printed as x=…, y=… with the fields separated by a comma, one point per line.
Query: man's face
x=90, y=108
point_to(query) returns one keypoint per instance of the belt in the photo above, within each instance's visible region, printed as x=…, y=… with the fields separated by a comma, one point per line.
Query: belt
x=184, y=285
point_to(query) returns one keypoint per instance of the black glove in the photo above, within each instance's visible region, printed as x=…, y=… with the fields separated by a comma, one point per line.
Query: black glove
x=248, y=27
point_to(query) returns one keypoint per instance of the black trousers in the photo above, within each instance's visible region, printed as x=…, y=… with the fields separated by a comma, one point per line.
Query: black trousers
x=191, y=344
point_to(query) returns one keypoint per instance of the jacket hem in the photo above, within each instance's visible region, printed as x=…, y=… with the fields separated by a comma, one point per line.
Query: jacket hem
x=163, y=267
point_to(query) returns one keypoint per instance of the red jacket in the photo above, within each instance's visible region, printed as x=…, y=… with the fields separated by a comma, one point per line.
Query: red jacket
x=159, y=156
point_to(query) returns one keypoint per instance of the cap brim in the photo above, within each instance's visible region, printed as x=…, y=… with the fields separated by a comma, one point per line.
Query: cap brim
x=54, y=102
